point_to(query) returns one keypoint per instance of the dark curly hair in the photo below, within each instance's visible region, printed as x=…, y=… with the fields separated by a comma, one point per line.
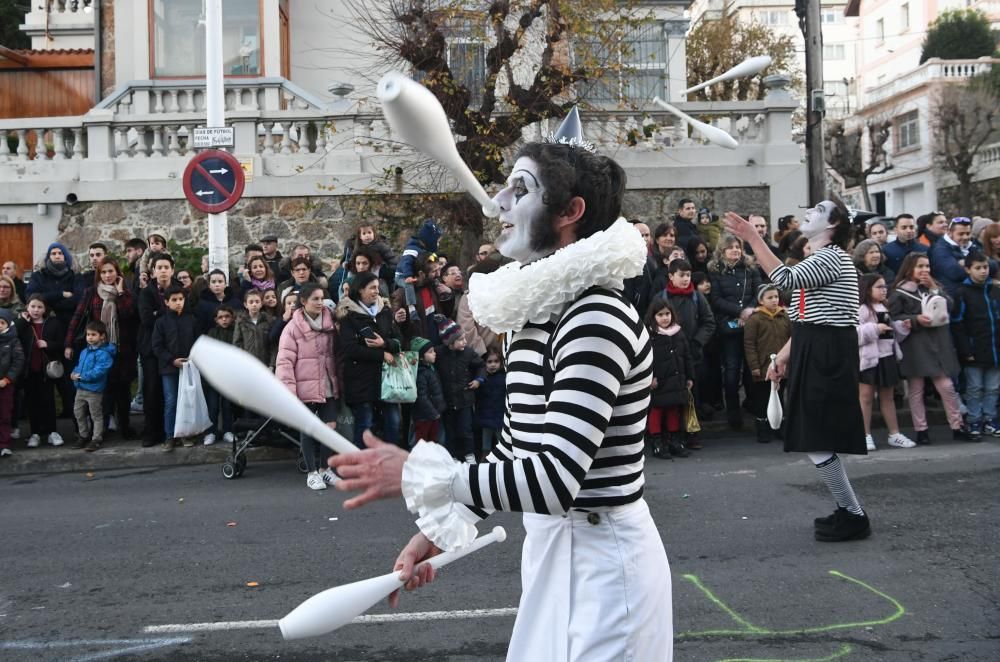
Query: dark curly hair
x=568, y=172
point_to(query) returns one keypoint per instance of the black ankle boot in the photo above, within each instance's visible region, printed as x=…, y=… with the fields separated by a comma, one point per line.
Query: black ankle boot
x=845, y=526
x=676, y=448
x=923, y=439
x=763, y=431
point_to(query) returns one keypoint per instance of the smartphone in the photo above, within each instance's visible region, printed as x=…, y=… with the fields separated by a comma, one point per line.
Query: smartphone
x=367, y=332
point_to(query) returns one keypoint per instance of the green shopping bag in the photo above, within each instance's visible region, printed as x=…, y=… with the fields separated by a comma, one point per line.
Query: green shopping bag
x=399, y=380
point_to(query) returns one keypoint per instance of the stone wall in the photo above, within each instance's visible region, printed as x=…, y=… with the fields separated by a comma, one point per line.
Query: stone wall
x=324, y=223
x=985, y=198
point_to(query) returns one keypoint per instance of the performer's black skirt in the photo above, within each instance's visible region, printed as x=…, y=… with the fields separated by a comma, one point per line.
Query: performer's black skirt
x=822, y=410
x=885, y=374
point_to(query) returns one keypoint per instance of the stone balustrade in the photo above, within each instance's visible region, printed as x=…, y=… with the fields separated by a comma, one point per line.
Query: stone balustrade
x=933, y=69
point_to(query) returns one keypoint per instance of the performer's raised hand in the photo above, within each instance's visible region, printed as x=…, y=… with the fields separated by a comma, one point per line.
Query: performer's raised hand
x=417, y=550
x=739, y=226
x=377, y=471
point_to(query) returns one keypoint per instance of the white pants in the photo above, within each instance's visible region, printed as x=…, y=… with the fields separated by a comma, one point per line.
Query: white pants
x=595, y=586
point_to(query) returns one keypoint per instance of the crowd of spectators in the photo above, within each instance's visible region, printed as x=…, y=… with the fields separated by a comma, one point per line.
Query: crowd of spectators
x=123, y=325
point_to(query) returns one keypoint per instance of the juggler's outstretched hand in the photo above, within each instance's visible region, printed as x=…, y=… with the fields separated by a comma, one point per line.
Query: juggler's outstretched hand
x=376, y=472
x=739, y=226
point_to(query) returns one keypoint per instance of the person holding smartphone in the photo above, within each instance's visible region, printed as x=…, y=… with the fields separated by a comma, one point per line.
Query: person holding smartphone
x=108, y=300
x=369, y=337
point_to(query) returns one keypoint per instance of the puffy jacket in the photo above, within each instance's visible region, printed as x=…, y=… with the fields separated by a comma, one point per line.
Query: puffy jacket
x=254, y=338
x=896, y=251
x=52, y=287
x=491, y=400
x=733, y=289
x=456, y=370
x=946, y=265
x=307, y=359
x=871, y=348
x=173, y=337
x=764, y=335
x=94, y=366
x=672, y=367
x=11, y=356
x=430, y=398
x=694, y=315
x=974, y=321
x=363, y=364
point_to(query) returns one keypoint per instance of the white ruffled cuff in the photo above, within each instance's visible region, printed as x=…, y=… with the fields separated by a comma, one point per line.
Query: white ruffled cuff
x=428, y=475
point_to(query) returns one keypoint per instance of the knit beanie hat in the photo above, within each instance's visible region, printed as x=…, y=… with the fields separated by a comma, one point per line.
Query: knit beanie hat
x=420, y=345
x=764, y=289
x=448, y=331
x=7, y=315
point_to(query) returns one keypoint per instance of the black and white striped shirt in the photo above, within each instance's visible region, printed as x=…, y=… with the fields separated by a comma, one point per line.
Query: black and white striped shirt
x=572, y=436
x=826, y=285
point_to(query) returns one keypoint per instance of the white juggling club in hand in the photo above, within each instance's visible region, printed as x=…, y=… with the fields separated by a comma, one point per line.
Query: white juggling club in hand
x=774, y=410
x=748, y=67
x=713, y=134
x=246, y=381
x=329, y=610
x=415, y=114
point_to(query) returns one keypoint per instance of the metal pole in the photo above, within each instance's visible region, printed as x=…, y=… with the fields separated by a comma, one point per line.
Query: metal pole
x=215, y=111
x=812, y=31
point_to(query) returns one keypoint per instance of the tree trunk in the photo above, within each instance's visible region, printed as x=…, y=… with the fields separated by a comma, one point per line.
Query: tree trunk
x=864, y=193
x=965, y=189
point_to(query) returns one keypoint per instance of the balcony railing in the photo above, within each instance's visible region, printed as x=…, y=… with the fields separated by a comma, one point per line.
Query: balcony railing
x=933, y=69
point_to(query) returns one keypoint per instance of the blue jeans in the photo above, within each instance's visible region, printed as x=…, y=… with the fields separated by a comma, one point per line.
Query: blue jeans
x=490, y=436
x=215, y=402
x=170, y=384
x=364, y=419
x=409, y=292
x=981, y=387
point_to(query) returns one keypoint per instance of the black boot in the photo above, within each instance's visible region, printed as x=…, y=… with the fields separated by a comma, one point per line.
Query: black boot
x=827, y=522
x=845, y=526
x=763, y=431
x=676, y=448
x=923, y=439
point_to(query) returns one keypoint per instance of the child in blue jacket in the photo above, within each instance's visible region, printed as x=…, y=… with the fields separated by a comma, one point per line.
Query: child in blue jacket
x=91, y=378
x=425, y=240
x=491, y=400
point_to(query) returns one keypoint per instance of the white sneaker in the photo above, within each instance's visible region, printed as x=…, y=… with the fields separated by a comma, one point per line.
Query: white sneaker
x=56, y=439
x=15, y=432
x=5, y=452
x=329, y=477
x=470, y=459
x=899, y=440
x=209, y=439
x=870, y=442
x=33, y=441
x=228, y=438
x=314, y=481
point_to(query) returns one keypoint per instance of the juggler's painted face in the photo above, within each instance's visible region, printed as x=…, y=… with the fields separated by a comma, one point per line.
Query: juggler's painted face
x=817, y=219
x=526, y=232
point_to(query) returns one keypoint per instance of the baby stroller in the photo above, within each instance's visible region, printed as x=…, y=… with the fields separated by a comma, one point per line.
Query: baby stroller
x=257, y=432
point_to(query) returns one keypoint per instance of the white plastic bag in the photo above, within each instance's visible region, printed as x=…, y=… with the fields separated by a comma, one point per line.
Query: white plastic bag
x=192, y=411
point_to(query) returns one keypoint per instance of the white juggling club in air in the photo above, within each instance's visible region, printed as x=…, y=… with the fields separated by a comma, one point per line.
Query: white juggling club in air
x=748, y=67
x=415, y=114
x=329, y=610
x=246, y=381
x=774, y=410
x=713, y=134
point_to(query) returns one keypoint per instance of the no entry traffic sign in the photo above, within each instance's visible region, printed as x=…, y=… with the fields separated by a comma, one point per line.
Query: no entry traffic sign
x=213, y=181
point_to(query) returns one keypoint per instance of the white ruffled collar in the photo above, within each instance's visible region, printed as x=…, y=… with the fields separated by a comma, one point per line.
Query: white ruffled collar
x=514, y=295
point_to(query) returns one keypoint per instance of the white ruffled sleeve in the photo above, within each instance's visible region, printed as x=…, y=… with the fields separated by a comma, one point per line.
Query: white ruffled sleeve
x=428, y=478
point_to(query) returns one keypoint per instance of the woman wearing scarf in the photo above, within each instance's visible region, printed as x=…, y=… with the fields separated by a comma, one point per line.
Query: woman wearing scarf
x=109, y=301
x=259, y=275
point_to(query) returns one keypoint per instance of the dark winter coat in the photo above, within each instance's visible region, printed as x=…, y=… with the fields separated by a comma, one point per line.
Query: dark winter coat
x=89, y=309
x=733, y=289
x=684, y=230
x=173, y=336
x=694, y=315
x=423, y=324
x=151, y=307
x=672, y=367
x=363, y=364
x=927, y=351
x=430, y=402
x=11, y=356
x=254, y=338
x=53, y=333
x=491, y=400
x=887, y=274
x=974, y=323
x=456, y=370
x=94, y=366
x=946, y=265
x=208, y=304
x=51, y=287
x=895, y=251
x=426, y=239
x=763, y=335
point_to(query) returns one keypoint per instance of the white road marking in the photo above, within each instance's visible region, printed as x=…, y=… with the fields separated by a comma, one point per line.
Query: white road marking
x=373, y=618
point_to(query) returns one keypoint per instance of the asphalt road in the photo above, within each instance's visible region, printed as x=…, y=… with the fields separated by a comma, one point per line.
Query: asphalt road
x=154, y=564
